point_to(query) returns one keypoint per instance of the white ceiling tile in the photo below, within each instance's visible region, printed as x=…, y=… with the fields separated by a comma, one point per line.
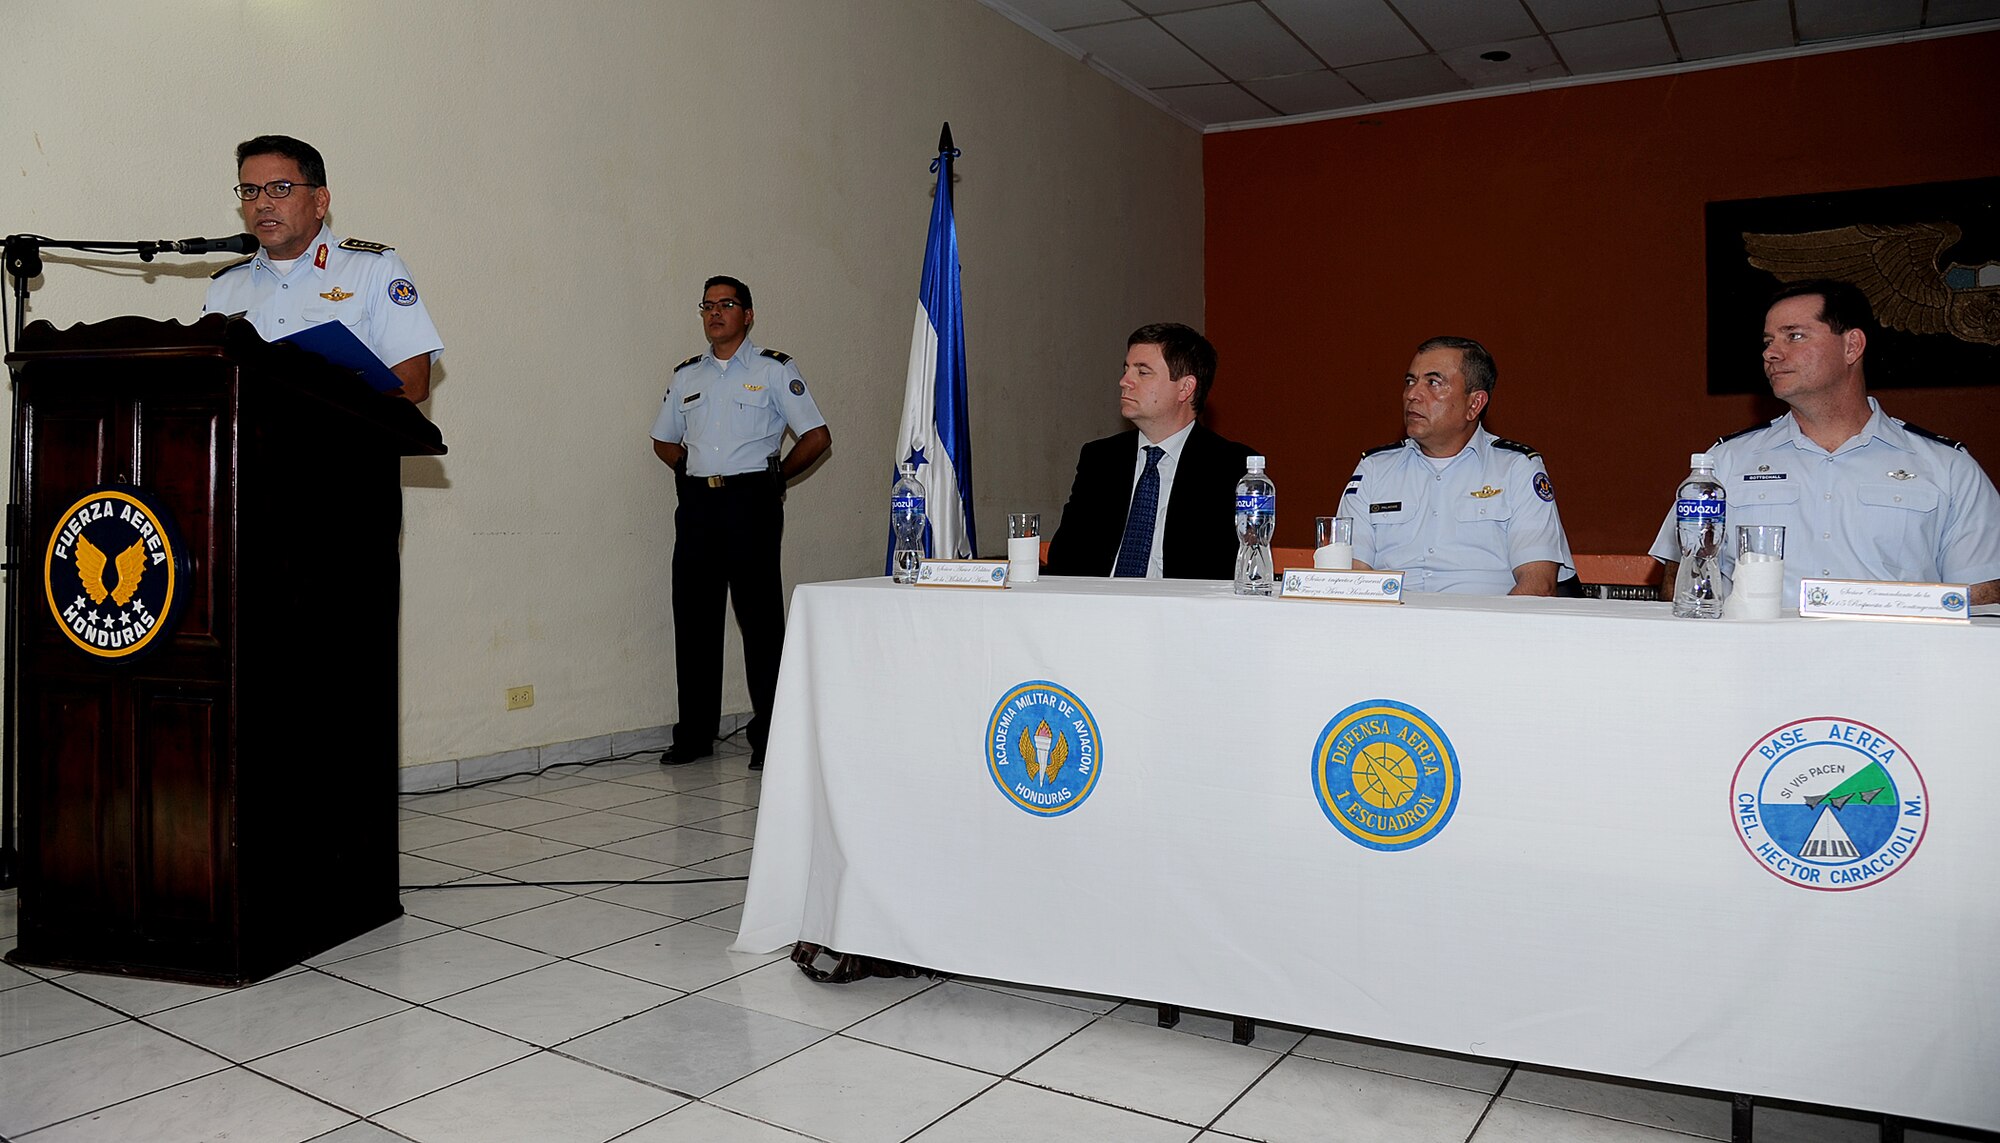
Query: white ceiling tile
x=1144, y=52
x=1403, y=79
x=1306, y=93
x=1528, y=59
x=1733, y=29
x=1059, y=14
x=1562, y=15
x=1215, y=102
x=1832, y=19
x=1241, y=40
x=1615, y=47
x=1345, y=32
x=1446, y=24
x=1943, y=12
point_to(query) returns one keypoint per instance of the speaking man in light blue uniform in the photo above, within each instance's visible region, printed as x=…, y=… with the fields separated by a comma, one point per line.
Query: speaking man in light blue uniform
x=303, y=276
x=1452, y=506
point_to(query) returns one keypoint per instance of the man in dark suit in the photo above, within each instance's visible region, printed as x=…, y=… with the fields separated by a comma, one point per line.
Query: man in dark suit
x=1158, y=501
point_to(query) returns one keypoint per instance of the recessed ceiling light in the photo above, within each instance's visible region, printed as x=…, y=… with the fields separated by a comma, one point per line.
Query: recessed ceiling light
x=1496, y=57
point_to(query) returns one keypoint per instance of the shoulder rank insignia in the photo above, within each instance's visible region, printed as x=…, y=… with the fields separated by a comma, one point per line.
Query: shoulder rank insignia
x=234, y=266
x=688, y=362
x=364, y=246
x=780, y=358
x=1378, y=449
x=337, y=294
x=1928, y=435
x=1741, y=433
x=1514, y=446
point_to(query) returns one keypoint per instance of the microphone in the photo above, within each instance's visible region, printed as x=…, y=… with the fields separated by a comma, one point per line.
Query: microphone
x=234, y=244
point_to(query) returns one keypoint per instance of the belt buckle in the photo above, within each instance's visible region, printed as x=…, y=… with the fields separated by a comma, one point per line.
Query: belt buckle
x=715, y=481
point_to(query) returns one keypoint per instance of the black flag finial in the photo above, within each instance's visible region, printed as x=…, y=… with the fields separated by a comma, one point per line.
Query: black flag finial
x=944, y=138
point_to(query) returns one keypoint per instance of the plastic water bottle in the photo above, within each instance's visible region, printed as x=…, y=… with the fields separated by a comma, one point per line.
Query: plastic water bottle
x=1701, y=515
x=906, y=519
x=1256, y=519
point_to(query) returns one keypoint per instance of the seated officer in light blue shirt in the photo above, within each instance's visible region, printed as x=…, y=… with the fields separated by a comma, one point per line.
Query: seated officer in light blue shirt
x=304, y=276
x=719, y=428
x=1452, y=506
x=1861, y=495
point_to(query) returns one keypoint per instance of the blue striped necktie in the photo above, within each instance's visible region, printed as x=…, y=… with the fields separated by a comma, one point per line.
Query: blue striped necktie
x=1137, y=547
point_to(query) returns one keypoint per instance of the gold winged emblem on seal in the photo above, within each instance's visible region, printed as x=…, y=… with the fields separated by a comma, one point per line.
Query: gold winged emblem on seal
x=90, y=561
x=1043, y=752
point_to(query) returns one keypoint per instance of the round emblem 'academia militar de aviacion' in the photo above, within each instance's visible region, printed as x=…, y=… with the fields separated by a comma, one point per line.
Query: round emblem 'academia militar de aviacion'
x=1042, y=748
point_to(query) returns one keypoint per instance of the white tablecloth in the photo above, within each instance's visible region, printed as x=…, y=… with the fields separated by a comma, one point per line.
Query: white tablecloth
x=1590, y=903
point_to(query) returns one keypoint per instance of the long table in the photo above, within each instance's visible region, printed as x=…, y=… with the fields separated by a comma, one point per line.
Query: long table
x=1750, y=857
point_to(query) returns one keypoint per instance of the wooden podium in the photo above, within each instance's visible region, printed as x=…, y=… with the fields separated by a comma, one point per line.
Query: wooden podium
x=223, y=804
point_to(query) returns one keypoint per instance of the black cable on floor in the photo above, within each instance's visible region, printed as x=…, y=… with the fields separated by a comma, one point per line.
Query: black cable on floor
x=560, y=884
x=546, y=769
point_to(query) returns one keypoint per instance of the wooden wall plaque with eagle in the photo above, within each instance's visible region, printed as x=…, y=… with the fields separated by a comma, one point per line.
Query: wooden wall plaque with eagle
x=1927, y=256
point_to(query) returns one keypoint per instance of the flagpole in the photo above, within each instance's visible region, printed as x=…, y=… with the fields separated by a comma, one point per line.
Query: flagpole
x=935, y=434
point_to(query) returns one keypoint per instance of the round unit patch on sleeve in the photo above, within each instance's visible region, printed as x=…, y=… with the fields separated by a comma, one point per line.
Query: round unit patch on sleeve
x=798, y=387
x=1543, y=488
x=112, y=571
x=403, y=292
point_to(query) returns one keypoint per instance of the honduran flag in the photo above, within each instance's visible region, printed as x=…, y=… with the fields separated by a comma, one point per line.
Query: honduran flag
x=936, y=433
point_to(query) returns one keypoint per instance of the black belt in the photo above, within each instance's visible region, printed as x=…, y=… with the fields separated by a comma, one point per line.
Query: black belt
x=760, y=478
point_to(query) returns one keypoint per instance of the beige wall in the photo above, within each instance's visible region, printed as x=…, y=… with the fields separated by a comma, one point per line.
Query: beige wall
x=560, y=178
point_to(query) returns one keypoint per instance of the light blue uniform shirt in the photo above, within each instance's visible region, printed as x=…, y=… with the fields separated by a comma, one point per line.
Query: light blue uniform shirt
x=732, y=414
x=1888, y=504
x=1463, y=529
x=369, y=292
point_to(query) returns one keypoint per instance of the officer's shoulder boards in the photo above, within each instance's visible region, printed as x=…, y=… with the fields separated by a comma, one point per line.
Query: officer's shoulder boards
x=780, y=358
x=233, y=266
x=688, y=362
x=364, y=246
x=1743, y=432
x=1379, y=449
x=1931, y=436
x=1515, y=446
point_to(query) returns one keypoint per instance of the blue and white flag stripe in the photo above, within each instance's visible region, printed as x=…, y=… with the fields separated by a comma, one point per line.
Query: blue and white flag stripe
x=936, y=433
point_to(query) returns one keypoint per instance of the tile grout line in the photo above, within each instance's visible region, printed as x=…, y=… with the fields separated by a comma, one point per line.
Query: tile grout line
x=1492, y=1101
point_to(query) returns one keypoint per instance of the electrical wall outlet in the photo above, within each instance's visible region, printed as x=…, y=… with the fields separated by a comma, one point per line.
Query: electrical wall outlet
x=520, y=698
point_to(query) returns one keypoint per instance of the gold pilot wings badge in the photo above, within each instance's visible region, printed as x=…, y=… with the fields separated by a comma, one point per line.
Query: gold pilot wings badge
x=337, y=295
x=1486, y=493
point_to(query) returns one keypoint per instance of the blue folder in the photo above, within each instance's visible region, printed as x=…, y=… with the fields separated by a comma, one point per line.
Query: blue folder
x=337, y=344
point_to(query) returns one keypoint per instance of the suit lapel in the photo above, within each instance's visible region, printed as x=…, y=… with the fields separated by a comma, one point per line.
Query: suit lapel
x=1187, y=476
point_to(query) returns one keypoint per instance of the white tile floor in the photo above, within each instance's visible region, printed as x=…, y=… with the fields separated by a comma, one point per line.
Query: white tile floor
x=580, y=1014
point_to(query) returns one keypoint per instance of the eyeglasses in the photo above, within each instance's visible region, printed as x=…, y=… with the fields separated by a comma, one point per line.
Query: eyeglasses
x=281, y=188
x=719, y=304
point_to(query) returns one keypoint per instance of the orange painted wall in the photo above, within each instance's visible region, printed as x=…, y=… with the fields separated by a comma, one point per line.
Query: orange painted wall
x=1564, y=230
